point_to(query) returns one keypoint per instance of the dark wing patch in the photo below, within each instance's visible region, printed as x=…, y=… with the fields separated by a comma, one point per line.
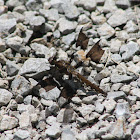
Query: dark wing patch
x=82, y=40
x=95, y=52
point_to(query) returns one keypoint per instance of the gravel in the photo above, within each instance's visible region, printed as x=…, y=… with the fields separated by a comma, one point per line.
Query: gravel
x=33, y=94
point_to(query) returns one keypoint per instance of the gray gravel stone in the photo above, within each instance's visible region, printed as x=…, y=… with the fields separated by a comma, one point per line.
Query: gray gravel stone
x=123, y=4
x=83, y=19
x=15, y=43
x=5, y=96
x=35, y=67
x=70, y=11
x=118, y=130
x=36, y=22
x=116, y=78
x=51, y=14
x=8, y=122
x=136, y=92
x=12, y=68
x=115, y=45
x=109, y=105
x=51, y=94
x=33, y=5
x=24, y=120
x=67, y=134
x=85, y=110
x=87, y=5
x=21, y=134
x=97, y=19
x=2, y=59
x=129, y=50
x=53, y=131
x=90, y=99
x=2, y=45
x=118, y=18
x=66, y=26
x=116, y=95
x=131, y=27
x=99, y=107
x=122, y=109
x=81, y=121
x=4, y=84
x=7, y=25
x=105, y=31
x=62, y=101
x=76, y=100
x=21, y=86
x=109, y=6
x=68, y=39
x=136, y=134
x=122, y=35
x=28, y=99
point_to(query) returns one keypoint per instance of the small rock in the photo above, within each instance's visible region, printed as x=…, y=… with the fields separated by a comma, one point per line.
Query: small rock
x=26, y=108
x=7, y=25
x=118, y=18
x=105, y=31
x=12, y=68
x=21, y=134
x=87, y=5
x=89, y=99
x=53, y=131
x=8, y=122
x=129, y=50
x=136, y=92
x=36, y=22
x=68, y=39
x=71, y=11
x=115, y=45
x=123, y=4
x=20, y=9
x=116, y=87
x=98, y=19
x=122, y=109
x=35, y=67
x=99, y=107
x=62, y=101
x=136, y=134
x=28, y=99
x=132, y=99
x=40, y=50
x=51, y=94
x=51, y=120
x=81, y=121
x=54, y=108
x=15, y=43
x=2, y=45
x=56, y=34
x=21, y=86
x=116, y=78
x=76, y=100
x=109, y=105
x=25, y=120
x=5, y=97
x=4, y=84
x=116, y=95
x=83, y=19
x=122, y=35
x=131, y=27
x=86, y=109
x=51, y=14
x=67, y=134
x=33, y=5
x=119, y=129
x=65, y=26
x=109, y=6
x=2, y=59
